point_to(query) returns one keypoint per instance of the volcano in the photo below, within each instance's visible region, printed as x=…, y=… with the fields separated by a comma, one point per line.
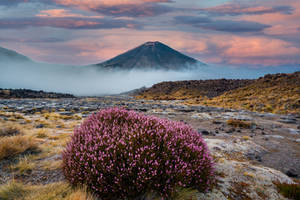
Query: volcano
x=151, y=55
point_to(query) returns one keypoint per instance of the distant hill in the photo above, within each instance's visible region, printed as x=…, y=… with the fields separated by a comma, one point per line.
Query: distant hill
x=277, y=93
x=151, y=55
x=180, y=90
x=32, y=94
x=7, y=55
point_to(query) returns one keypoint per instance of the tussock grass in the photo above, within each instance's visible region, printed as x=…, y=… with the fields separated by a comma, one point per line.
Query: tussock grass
x=12, y=146
x=10, y=129
x=238, y=123
x=51, y=164
x=24, y=165
x=81, y=194
x=42, y=133
x=56, y=191
x=13, y=191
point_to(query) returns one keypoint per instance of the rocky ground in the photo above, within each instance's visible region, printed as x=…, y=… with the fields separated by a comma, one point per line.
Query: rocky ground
x=248, y=159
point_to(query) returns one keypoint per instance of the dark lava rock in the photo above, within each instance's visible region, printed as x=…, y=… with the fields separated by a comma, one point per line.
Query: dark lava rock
x=231, y=130
x=203, y=132
x=288, y=120
x=66, y=113
x=40, y=126
x=291, y=173
x=253, y=156
x=216, y=122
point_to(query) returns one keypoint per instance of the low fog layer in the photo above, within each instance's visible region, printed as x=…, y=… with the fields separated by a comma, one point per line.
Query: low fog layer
x=89, y=81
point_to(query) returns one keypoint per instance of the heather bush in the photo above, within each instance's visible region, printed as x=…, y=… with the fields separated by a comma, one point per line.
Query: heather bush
x=120, y=154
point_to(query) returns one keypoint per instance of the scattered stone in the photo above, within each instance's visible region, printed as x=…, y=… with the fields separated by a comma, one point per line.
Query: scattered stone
x=275, y=136
x=203, y=132
x=66, y=113
x=231, y=130
x=294, y=131
x=254, y=156
x=216, y=122
x=288, y=120
x=40, y=126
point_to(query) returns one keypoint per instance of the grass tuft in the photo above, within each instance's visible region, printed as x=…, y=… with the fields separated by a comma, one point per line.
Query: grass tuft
x=10, y=129
x=55, y=191
x=24, y=165
x=238, y=123
x=15, y=145
x=13, y=190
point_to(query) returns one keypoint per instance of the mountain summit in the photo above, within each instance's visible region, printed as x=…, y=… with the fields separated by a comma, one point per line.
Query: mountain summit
x=151, y=55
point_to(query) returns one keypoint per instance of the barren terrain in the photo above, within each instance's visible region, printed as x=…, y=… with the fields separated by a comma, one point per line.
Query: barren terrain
x=252, y=151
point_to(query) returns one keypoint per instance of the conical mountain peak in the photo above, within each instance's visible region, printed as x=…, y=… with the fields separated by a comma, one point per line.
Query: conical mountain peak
x=150, y=55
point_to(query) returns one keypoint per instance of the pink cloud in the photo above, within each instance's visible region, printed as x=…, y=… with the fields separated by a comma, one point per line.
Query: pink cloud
x=61, y=13
x=281, y=24
x=95, y=3
x=130, y=8
x=241, y=9
x=256, y=51
x=112, y=42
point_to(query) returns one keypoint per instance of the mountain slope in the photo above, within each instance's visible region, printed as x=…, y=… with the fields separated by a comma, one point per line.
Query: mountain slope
x=10, y=55
x=191, y=89
x=151, y=55
x=278, y=93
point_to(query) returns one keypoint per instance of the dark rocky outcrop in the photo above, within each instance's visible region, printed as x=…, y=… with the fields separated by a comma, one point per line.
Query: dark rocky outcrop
x=24, y=93
x=192, y=89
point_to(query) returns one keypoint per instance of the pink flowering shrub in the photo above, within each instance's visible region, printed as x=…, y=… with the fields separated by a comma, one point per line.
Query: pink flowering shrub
x=120, y=154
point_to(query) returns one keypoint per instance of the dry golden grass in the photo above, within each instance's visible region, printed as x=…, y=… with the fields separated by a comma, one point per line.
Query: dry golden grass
x=51, y=164
x=278, y=93
x=246, y=138
x=11, y=115
x=55, y=191
x=81, y=194
x=238, y=123
x=10, y=129
x=42, y=133
x=12, y=146
x=24, y=165
x=273, y=93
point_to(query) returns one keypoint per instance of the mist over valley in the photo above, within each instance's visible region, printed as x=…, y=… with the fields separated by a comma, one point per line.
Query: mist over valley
x=150, y=63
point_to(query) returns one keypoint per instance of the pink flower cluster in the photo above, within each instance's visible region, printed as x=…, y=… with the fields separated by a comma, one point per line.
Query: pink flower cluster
x=120, y=154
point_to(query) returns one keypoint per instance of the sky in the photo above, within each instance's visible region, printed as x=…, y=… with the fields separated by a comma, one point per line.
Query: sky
x=239, y=33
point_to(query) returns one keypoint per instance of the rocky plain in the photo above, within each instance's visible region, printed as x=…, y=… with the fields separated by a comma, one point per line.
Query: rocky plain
x=253, y=152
